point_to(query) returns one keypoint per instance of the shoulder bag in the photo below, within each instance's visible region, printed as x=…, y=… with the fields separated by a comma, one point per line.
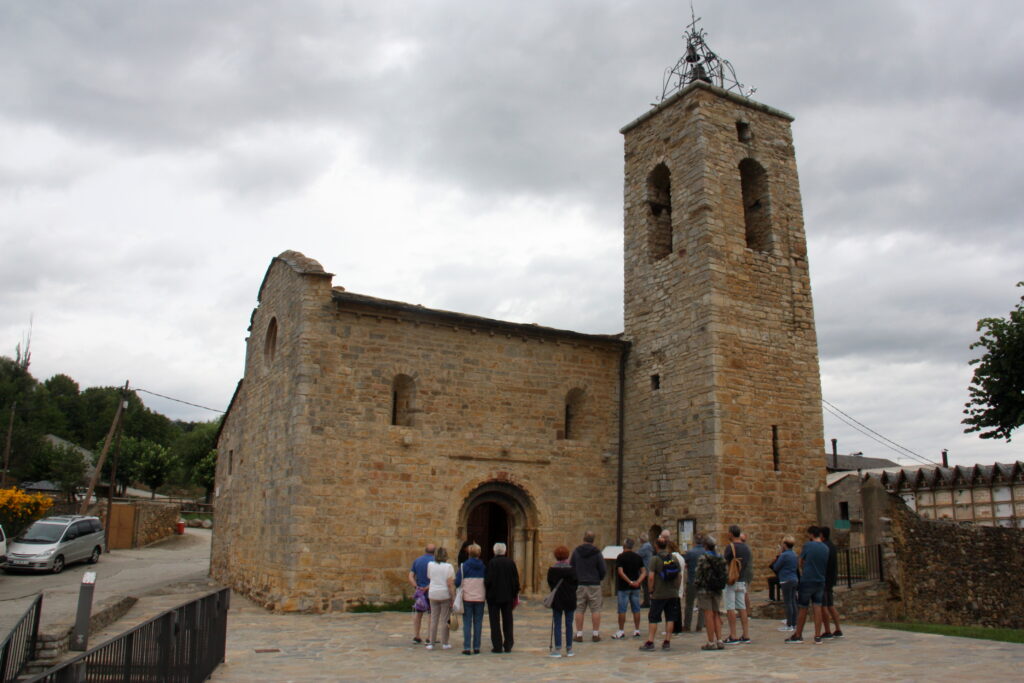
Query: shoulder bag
x=549, y=599
x=457, y=606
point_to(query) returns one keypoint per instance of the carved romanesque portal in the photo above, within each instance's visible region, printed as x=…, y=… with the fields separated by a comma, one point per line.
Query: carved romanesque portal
x=499, y=512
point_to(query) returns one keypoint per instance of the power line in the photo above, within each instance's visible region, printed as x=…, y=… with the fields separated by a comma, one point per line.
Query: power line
x=178, y=400
x=867, y=434
x=872, y=434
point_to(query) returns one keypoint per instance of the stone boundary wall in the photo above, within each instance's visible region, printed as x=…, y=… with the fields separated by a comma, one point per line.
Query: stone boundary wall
x=155, y=521
x=964, y=575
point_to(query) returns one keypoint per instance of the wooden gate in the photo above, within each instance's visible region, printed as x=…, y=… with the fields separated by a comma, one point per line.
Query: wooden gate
x=121, y=526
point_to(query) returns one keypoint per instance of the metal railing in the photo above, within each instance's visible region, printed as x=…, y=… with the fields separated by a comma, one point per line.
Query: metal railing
x=19, y=647
x=182, y=645
x=860, y=564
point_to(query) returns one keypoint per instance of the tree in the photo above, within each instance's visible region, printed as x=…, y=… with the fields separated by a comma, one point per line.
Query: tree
x=65, y=467
x=155, y=464
x=205, y=472
x=996, y=407
x=193, y=446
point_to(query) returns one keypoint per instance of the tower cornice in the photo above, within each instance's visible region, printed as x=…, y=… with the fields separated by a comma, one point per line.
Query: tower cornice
x=701, y=85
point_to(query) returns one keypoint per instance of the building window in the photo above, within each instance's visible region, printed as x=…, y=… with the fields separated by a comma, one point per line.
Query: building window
x=270, y=341
x=775, y=448
x=403, y=395
x=231, y=461
x=659, y=219
x=743, y=133
x=756, y=206
x=655, y=382
x=844, y=510
x=573, y=414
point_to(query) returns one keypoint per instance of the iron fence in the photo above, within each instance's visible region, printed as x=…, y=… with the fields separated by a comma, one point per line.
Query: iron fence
x=182, y=645
x=860, y=564
x=19, y=647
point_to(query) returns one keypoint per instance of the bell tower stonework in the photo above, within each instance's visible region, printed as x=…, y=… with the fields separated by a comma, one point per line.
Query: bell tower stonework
x=722, y=418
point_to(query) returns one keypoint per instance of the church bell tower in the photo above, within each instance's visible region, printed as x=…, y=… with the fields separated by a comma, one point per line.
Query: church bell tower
x=723, y=420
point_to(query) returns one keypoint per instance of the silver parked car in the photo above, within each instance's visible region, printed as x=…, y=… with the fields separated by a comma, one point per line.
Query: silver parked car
x=51, y=544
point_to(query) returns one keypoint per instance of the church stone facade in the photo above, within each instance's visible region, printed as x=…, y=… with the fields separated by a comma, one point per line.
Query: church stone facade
x=364, y=428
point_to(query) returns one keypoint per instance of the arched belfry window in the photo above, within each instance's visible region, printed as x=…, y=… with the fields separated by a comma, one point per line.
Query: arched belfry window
x=573, y=414
x=403, y=397
x=270, y=341
x=757, y=218
x=659, y=219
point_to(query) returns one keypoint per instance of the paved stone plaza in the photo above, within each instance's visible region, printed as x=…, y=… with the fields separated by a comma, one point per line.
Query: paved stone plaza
x=374, y=647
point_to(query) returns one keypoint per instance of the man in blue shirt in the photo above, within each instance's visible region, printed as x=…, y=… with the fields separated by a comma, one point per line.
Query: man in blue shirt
x=813, y=565
x=420, y=583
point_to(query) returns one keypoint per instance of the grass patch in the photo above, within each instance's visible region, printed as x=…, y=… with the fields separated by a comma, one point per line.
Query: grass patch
x=403, y=605
x=1008, y=635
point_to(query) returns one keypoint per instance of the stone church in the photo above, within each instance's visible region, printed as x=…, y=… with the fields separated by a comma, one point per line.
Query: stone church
x=365, y=428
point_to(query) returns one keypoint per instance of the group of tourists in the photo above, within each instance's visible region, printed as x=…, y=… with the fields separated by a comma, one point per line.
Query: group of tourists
x=656, y=576
x=435, y=592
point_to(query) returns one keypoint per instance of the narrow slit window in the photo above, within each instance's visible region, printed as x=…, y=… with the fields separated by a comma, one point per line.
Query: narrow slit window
x=270, y=341
x=775, y=448
x=573, y=413
x=403, y=396
x=655, y=382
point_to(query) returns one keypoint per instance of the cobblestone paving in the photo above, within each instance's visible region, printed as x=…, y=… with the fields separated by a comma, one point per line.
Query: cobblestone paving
x=378, y=647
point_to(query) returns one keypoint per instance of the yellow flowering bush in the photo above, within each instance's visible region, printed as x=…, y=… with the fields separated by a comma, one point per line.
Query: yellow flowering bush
x=18, y=509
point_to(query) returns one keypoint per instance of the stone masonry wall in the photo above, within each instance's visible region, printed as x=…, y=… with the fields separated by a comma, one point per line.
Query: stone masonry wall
x=260, y=491
x=155, y=521
x=965, y=575
x=358, y=496
x=728, y=330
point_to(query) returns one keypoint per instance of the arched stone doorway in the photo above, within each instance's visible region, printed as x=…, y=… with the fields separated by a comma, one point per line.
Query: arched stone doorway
x=499, y=512
x=488, y=523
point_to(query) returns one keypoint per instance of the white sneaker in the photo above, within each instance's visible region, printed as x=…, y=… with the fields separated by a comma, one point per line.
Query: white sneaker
x=784, y=628
x=430, y=646
x=446, y=647
x=636, y=634
x=618, y=635
x=570, y=653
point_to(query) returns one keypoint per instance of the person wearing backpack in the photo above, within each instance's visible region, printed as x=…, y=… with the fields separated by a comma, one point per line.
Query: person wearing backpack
x=664, y=577
x=738, y=559
x=710, y=581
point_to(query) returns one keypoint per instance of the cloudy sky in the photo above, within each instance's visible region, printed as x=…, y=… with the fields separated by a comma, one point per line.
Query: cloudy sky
x=154, y=156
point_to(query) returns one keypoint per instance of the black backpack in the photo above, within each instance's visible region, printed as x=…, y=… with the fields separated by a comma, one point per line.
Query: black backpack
x=670, y=568
x=715, y=575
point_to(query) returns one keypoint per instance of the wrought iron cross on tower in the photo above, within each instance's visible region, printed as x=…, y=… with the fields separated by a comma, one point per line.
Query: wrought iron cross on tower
x=700, y=63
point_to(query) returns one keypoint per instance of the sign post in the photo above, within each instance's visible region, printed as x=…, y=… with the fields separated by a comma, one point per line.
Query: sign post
x=80, y=634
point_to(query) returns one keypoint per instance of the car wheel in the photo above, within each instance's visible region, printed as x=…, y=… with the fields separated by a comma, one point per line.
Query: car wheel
x=95, y=557
x=58, y=564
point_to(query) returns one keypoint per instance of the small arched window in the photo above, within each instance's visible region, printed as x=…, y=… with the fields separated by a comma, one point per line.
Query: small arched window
x=403, y=396
x=270, y=341
x=573, y=414
x=659, y=219
x=757, y=218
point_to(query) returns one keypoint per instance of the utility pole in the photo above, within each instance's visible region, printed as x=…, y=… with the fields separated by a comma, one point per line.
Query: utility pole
x=7, y=446
x=121, y=405
x=113, y=487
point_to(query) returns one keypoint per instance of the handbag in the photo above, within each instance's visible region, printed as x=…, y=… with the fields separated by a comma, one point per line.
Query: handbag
x=457, y=605
x=549, y=599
